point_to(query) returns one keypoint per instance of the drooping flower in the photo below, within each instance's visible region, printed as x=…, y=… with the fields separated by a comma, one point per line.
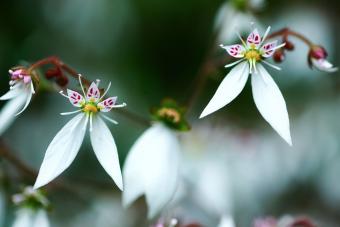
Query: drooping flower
x=32, y=209
x=18, y=96
x=65, y=145
x=317, y=59
x=152, y=165
x=267, y=96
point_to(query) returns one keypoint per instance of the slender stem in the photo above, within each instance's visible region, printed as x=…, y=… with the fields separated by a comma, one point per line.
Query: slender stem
x=202, y=73
x=285, y=32
x=7, y=154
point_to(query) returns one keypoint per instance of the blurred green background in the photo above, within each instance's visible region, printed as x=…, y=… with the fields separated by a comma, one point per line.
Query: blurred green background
x=153, y=49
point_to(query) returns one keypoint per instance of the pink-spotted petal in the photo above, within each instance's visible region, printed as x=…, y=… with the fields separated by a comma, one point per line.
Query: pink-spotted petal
x=236, y=51
x=254, y=38
x=75, y=98
x=107, y=104
x=93, y=93
x=268, y=49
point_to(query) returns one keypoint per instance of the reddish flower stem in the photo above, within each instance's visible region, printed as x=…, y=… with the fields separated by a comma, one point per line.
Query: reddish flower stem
x=285, y=32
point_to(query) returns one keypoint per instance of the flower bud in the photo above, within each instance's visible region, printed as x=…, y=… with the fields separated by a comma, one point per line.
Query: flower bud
x=62, y=81
x=53, y=72
x=317, y=52
x=289, y=45
x=317, y=59
x=279, y=56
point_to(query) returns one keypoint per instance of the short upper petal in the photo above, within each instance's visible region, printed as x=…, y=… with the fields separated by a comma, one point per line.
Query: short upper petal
x=62, y=150
x=236, y=51
x=93, y=93
x=229, y=89
x=75, y=98
x=107, y=104
x=254, y=38
x=268, y=49
x=106, y=151
x=270, y=102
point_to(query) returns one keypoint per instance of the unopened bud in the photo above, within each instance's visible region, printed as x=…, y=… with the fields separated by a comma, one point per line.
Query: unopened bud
x=53, y=72
x=289, y=46
x=62, y=81
x=317, y=52
x=279, y=56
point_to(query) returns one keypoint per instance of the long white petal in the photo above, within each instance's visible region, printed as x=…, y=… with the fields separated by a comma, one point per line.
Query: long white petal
x=24, y=218
x=227, y=221
x=28, y=100
x=41, y=219
x=7, y=114
x=270, y=102
x=11, y=94
x=229, y=89
x=106, y=151
x=62, y=150
x=152, y=167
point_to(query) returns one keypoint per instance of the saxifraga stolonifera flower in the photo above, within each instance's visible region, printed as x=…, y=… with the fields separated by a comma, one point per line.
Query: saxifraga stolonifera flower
x=19, y=96
x=65, y=145
x=267, y=96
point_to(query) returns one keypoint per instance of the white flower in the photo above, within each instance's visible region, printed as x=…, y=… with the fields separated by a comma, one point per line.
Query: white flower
x=151, y=168
x=227, y=221
x=26, y=217
x=66, y=144
x=19, y=96
x=267, y=96
x=317, y=59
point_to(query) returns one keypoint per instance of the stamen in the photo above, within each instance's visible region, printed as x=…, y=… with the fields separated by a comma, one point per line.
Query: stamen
x=119, y=106
x=250, y=66
x=254, y=65
x=62, y=93
x=97, y=82
x=233, y=63
x=271, y=65
x=107, y=89
x=110, y=119
x=69, y=113
x=91, y=122
x=86, y=120
x=265, y=35
x=81, y=84
x=279, y=46
x=240, y=37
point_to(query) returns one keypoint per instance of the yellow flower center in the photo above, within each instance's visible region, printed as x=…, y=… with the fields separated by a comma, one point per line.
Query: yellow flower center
x=89, y=107
x=170, y=114
x=253, y=55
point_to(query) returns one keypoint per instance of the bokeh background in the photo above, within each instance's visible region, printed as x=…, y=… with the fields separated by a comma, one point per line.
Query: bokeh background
x=233, y=162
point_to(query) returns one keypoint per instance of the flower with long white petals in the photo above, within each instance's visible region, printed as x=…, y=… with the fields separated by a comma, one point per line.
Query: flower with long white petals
x=317, y=59
x=65, y=145
x=32, y=211
x=19, y=96
x=151, y=168
x=267, y=96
